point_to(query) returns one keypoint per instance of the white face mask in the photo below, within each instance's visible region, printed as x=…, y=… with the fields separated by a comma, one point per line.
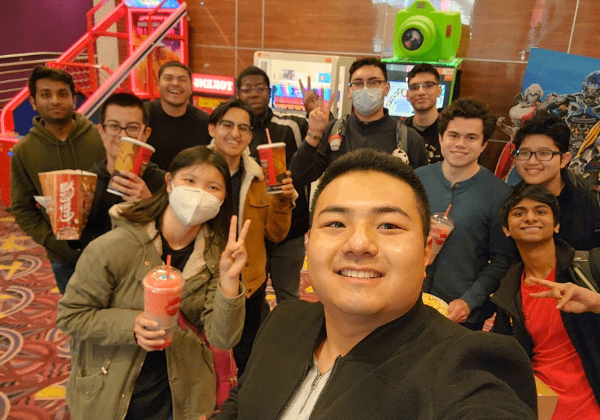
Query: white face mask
x=193, y=206
x=367, y=100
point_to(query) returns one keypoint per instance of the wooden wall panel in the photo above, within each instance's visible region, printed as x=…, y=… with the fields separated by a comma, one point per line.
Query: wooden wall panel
x=212, y=22
x=249, y=23
x=224, y=61
x=586, y=34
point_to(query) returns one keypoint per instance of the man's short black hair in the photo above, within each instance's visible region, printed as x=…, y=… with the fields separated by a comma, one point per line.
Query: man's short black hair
x=220, y=111
x=174, y=63
x=371, y=160
x=370, y=61
x=533, y=192
x=423, y=68
x=126, y=100
x=253, y=71
x=546, y=124
x=468, y=108
x=42, y=72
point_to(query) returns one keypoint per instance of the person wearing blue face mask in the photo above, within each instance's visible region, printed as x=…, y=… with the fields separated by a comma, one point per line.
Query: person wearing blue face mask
x=117, y=369
x=369, y=126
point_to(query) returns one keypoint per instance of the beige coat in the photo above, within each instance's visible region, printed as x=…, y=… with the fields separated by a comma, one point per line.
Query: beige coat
x=99, y=308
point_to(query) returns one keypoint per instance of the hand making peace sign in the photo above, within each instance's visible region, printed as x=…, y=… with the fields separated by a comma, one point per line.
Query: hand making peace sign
x=233, y=259
x=310, y=97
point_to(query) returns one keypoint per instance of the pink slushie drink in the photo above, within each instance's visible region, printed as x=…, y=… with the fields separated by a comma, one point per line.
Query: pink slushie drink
x=441, y=226
x=162, y=295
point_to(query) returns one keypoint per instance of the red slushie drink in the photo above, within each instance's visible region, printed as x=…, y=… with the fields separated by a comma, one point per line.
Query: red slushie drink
x=162, y=295
x=441, y=226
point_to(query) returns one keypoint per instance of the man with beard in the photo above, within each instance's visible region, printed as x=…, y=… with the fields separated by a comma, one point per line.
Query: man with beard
x=59, y=139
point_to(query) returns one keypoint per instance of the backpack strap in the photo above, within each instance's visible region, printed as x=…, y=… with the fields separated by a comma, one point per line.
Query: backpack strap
x=401, y=135
x=583, y=271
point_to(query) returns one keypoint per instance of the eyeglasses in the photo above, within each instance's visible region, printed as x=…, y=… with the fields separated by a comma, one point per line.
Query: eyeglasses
x=228, y=126
x=541, y=155
x=114, y=129
x=260, y=89
x=416, y=86
x=370, y=84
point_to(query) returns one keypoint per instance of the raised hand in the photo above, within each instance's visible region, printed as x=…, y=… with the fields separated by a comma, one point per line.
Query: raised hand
x=133, y=186
x=233, y=259
x=310, y=97
x=318, y=120
x=571, y=298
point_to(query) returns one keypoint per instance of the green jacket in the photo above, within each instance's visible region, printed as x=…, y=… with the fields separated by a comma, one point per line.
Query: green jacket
x=98, y=311
x=40, y=151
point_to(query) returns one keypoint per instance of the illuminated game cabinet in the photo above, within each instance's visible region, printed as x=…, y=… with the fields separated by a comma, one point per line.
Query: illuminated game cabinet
x=173, y=47
x=423, y=35
x=328, y=74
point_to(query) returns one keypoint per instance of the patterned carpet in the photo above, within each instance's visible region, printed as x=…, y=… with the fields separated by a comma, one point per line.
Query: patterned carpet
x=34, y=355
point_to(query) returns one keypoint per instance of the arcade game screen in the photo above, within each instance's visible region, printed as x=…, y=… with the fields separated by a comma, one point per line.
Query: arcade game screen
x=285, y=88
x=396, y=101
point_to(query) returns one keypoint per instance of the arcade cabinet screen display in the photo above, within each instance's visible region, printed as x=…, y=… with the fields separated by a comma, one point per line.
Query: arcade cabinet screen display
x=285, y=88
x=396, y=101
x=150, y=4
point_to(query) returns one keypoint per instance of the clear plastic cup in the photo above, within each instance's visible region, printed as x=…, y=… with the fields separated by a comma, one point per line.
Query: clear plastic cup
x=163, y=287
x=440, y=229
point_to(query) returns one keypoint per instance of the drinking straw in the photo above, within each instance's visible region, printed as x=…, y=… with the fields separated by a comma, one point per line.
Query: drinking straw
x=448, y=210
x=168, y=265
x=139, y=138
x=268, y=135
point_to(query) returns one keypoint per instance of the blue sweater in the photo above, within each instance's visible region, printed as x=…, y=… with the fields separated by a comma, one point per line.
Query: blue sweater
x=476, y=254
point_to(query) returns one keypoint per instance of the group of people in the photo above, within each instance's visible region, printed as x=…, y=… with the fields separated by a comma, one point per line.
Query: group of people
x=369, y=348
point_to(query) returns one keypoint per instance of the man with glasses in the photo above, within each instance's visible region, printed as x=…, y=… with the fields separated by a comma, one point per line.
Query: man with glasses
x=176, y=124
x=285, y=258
x=59, y=139
x=369, y=126
x=270, y=214
x=541, y=158
x=122, y=114
x=423, y=90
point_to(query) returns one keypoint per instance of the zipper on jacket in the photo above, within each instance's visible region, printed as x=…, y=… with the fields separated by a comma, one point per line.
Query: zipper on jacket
x=326, y=383
x=296, y=390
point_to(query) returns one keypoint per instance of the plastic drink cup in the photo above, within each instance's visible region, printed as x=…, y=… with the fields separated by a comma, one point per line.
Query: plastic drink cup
x=441, y=226
x=272, y=160
x=133, y=156
x=163, y=287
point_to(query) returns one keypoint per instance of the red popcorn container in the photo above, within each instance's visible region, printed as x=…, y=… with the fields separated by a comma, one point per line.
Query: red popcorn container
x=70, y=195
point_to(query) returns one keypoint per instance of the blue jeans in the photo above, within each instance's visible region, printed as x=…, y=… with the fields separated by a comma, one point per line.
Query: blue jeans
x=62, y=274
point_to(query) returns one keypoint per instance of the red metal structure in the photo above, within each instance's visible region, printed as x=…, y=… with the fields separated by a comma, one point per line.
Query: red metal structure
x=97, y=81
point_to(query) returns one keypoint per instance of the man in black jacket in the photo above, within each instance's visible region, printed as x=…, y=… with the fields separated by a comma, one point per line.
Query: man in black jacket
x=370, y=348
x=369, y=126
x=564, y=347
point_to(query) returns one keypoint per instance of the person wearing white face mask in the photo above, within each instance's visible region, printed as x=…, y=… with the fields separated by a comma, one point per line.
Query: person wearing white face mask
x=116, y=370
x=271, y=214
x=369, y=126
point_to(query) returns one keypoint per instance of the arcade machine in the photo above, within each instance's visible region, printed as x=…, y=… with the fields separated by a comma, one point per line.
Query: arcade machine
x=209, y=90
x=423, y=35
x=328, y=74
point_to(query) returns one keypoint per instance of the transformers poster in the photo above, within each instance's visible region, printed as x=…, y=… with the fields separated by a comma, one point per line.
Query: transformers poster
x=571, y=89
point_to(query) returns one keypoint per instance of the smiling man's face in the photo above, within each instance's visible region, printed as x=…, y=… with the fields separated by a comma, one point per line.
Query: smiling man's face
x=366, y=253
x=175, y=86
x=531, y=222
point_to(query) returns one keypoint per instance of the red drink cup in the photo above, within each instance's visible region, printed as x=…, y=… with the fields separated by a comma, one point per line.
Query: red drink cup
x=133, y=156
x=163, y=287
x=272, y=160
x=441, y=226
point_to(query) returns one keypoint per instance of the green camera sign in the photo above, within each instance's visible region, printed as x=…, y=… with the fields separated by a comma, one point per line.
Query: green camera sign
x=423, y=33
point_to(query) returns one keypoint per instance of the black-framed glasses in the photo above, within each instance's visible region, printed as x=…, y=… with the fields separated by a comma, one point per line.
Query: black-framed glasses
x=114, y=129
x=359, y=84
x=416, y=86
x=541, y=155
x=260, y=89
x=229, y=125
